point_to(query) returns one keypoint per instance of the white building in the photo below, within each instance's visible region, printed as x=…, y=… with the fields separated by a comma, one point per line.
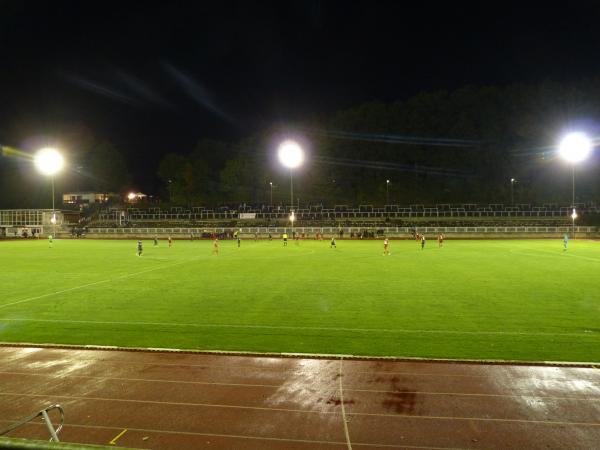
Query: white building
x=86, y=198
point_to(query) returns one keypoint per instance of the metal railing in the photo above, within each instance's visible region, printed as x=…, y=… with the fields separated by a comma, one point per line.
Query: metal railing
x=434, y=213
x=29, y=444
x=53, y=444
x=335, y=230
x=45, y=417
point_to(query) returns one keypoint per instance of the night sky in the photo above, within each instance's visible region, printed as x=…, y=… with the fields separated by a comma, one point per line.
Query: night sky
x=157, y=78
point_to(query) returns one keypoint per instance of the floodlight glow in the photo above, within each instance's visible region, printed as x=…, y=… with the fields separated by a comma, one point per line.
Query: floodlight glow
x=575, y=147
x=292, y=217
x=131, y=196
x=53, y=219
x=48, y=161
x=574, y=215
x=290, y=154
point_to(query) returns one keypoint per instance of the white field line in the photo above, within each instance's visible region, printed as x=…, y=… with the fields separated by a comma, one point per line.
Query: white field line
x=291, y=327
x=83, y=286
x=344, y=418
x=550, y=254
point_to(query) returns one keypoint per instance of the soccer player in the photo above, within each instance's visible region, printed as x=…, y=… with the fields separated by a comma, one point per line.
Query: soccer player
x=423, y=242
x=284, y=236
x=565, y=241
x=139, y=248
x=239, y=240
x=441, y=240
x=156, y=241
x=50, y=240
x=386, y=247
x=332, y=244
x=170, y=242
x=216, y=247
x=270, y=237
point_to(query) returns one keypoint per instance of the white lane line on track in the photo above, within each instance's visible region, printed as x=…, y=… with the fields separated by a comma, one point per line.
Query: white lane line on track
x=344, y=417
x=237, y=436
x=278, y=386
x=83, y=286
x=157, y=363
x=304, y=411
x=308, y=328
x=156, y=402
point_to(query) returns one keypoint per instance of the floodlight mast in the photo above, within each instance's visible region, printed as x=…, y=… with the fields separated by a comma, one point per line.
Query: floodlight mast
x=387, y=192
x=512, y=191
x=291, y=156
x=49, y=162
x=574, y=148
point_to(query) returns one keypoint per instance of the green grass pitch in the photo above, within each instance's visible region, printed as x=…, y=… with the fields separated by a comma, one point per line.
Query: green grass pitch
x=522, y=300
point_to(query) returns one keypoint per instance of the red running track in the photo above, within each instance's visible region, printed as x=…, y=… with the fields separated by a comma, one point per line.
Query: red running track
x=167, y=400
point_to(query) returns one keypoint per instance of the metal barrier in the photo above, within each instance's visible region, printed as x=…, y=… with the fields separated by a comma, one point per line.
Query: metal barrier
x=335, y=230
x=27, y=444
x=44, y=414
x=52, y=444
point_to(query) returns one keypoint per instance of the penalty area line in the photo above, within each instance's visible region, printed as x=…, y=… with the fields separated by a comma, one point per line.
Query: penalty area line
x=83, y=286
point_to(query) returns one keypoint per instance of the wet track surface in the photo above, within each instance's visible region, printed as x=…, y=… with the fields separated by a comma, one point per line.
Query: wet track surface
x=171, y=400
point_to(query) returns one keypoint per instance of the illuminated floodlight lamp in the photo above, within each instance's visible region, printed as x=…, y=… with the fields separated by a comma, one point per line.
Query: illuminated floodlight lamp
x=53, y=219
x=131, y=196
x=290, y=154
x=575, y=147
x=292, y=217
x=49, y=161
x=574, y=214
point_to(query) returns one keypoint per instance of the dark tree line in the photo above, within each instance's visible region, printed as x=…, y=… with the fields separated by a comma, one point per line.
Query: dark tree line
x=461, y=146
x=436, y=147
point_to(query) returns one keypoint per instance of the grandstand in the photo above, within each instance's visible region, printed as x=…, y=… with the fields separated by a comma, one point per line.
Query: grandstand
x=340, y=212
x=459, y=220
x=26, y=222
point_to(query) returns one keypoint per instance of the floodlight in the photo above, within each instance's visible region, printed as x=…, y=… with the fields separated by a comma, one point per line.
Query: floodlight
x=48, y=161
x=575, y=147
x=292, y=217
x=290, y=154
x=53, y=219
x=131, y=196
x=574, y=215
